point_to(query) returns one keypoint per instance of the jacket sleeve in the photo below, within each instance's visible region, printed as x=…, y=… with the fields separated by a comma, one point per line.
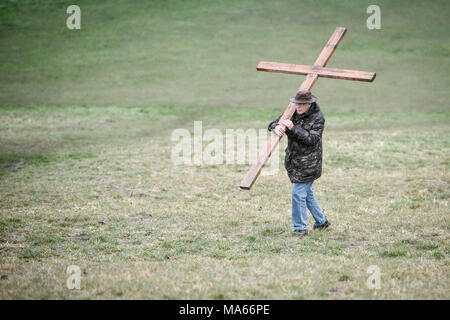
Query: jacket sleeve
x=273, y=124
x=309, y=137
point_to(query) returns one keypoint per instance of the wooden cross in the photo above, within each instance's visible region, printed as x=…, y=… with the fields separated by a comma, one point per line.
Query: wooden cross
x=312, y=73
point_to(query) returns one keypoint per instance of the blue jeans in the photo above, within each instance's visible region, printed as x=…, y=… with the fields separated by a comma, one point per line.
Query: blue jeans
x=302, y=197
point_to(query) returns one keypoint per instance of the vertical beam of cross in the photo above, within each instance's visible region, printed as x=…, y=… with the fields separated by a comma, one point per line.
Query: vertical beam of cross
x=312, y=73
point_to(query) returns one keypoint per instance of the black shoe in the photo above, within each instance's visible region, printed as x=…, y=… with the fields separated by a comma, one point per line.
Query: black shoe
x=326, y=224
x=300, y=233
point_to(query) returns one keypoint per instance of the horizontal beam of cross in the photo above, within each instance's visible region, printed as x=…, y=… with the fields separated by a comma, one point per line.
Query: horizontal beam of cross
x=320, y=71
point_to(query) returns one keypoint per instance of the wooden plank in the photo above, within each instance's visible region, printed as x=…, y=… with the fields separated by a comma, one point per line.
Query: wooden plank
x=272, y=141
x=330, y=47
x=335, y=73
x=265, y=153
x=309, y=82
x=355, y=75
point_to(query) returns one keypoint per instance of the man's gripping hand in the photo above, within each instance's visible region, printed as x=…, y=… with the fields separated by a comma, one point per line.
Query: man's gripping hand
x=288, y=123
x=279, y=130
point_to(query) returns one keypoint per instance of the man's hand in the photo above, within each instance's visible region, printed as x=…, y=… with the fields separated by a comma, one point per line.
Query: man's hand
x=288, y=124
x=279, y=130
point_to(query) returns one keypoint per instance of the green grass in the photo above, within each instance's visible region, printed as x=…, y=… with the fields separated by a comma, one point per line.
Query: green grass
x=205, y=53
x=86, y=177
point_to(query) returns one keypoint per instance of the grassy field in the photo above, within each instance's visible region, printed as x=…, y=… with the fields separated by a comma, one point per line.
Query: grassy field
x=86, y=176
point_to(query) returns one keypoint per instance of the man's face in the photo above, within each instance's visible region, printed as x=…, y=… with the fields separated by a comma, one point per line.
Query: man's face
x=302, y=108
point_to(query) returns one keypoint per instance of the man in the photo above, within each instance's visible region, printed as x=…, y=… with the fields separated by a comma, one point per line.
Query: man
x=303, y=159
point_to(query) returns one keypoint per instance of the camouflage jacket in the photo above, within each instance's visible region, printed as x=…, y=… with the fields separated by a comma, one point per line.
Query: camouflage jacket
x=303, y=160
